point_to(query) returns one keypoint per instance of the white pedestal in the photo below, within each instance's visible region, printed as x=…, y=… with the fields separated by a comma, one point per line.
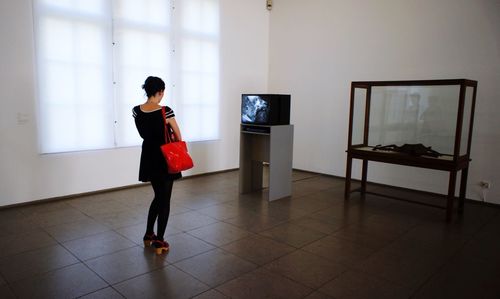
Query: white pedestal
x=272, y=144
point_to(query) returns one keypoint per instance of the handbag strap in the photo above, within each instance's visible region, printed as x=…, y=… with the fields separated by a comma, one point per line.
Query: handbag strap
x=164, y=114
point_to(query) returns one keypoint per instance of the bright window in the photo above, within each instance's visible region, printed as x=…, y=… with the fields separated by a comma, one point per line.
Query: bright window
x=93, y=57
x=198, y=71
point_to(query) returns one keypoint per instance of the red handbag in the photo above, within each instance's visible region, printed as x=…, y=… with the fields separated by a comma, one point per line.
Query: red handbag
x=175, y=152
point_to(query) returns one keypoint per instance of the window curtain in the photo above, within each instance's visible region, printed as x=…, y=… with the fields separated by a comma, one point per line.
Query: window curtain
x=94, y=55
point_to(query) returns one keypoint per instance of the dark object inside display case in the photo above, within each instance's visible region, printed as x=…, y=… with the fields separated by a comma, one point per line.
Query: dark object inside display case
x=410, y=149
x=424, y=123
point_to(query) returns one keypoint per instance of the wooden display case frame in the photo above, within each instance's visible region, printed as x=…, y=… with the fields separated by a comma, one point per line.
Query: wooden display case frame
x=450, y=163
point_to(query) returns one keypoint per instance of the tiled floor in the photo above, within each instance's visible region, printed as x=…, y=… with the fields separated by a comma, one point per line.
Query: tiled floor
x=226, y=245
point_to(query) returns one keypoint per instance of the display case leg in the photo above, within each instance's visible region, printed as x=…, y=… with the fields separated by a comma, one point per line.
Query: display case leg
x=451, y=195
x=463, y=190
x=348, y=169
x=364, y=174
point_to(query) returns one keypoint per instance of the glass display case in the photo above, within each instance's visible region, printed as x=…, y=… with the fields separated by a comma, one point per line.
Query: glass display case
x=425, y=123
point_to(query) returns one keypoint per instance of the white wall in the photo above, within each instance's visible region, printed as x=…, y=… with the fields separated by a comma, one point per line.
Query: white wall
x=311, y=49
x=26, y=176
x=318, y=47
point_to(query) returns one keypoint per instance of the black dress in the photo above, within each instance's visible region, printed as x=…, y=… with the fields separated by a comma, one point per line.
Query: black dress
x=152, y=130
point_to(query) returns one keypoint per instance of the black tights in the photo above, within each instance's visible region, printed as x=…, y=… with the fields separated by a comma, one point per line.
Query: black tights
x=160, y=207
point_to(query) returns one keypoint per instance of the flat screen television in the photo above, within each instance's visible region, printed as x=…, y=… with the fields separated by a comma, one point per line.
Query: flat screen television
x=265, y=109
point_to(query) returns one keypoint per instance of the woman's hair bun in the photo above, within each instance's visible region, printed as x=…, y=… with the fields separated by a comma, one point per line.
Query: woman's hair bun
x=152, y=85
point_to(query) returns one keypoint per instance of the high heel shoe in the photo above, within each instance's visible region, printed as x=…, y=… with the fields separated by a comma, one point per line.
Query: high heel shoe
x=148, y=239
x=160, y=246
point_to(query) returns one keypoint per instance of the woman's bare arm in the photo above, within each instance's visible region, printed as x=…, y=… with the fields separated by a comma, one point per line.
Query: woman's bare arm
x=175, y=128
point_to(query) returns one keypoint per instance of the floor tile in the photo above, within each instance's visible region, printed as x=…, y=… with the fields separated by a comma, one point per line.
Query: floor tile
x=475, y=215
x=310, y=185
x=335, y=194
x=219, y=233
x=339, y=250
x=369, y=235
x=17, y=267
x=184, y=246
x=13, y=221
x=17, y=243
x=97, y=245
x=402, y=222
x=350, y=211
x=352, y=284
x=84, y=201
x=6, y=292
x=437, y=237
x=257, y=249
x=493, y=223
x=222, y=211
x=484, y=246
x=106, y=293
x=58, y=217
x=285, y=211
x=215, y=187
x=319, y=225
x=253, y=202
x=215, y=267
x=69, y=282
x=306, y=268
x=168, y=282
x=176, y=209
x=263, y=284
x=300, y=175
x=11, y=213
x=195, y=202
x=101, y=207
x=318, y=295
x=76, y=230
x=310, y=203
x=189, y=221
x=463, y=277
x=116, y=220
x=293, y=235
x=136, y=232
x=411, y=249
x=133, y=197
x=211, y=294
x=44, y=207
x=254, y=222
x=125, y=264
x=402, y=269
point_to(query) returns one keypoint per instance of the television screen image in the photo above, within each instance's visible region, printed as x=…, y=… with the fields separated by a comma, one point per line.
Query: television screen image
x=255, y=109
x=265, y=109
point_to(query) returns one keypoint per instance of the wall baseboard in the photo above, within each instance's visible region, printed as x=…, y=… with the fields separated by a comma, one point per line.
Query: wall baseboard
x=70, y=196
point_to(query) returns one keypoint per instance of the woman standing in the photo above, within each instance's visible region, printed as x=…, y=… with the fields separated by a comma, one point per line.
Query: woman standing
x=150, y=123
